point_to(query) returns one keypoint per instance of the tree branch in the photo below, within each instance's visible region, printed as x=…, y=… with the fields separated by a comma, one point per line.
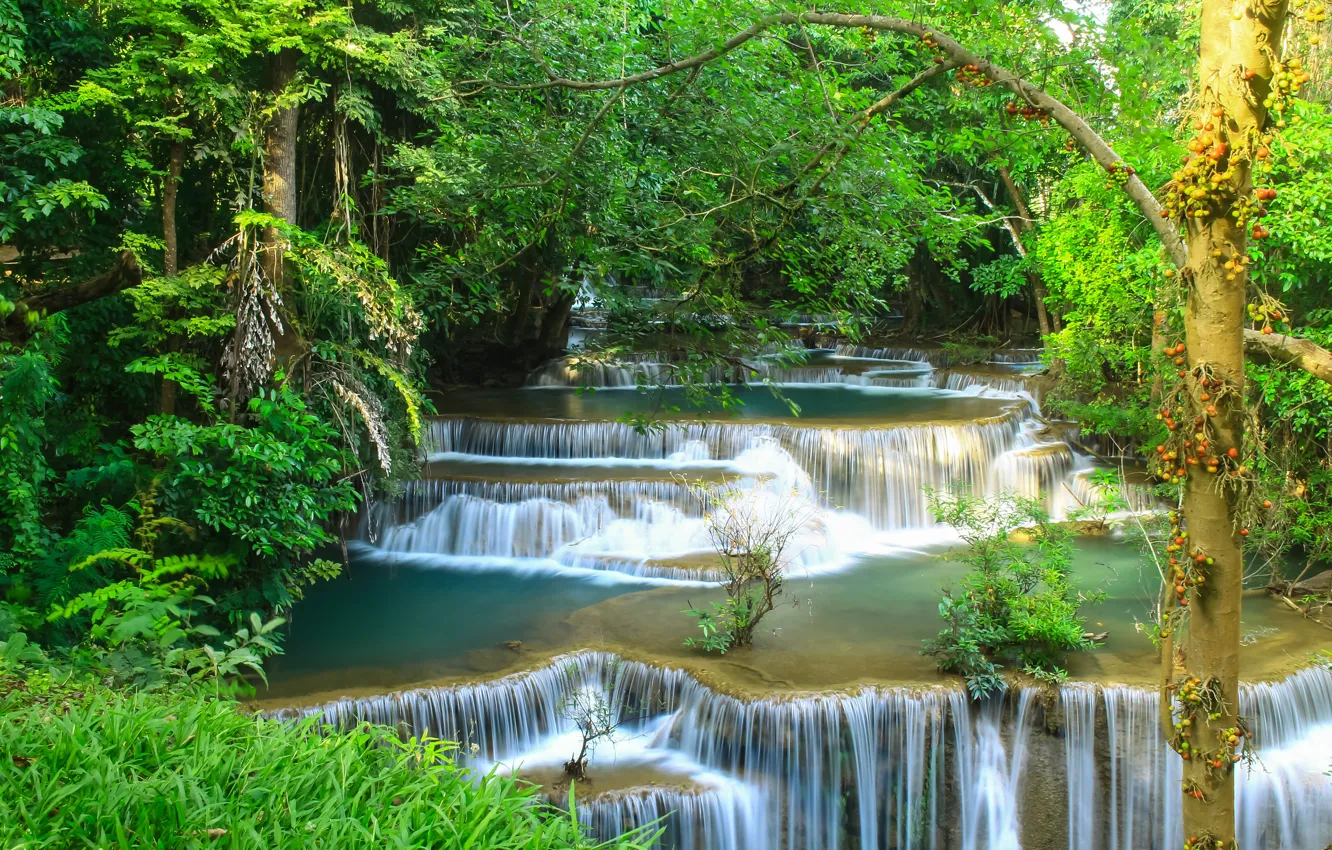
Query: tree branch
x=123, y=275
x=647, y=76
x=1299, y=352
x=862, y=121
x=1100, y=151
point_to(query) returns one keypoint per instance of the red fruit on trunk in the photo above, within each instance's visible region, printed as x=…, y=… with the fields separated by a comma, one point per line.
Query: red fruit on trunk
x=1232, y=452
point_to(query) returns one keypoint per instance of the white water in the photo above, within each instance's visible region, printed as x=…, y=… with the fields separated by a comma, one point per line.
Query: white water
x=887, y=768
x=884, y=769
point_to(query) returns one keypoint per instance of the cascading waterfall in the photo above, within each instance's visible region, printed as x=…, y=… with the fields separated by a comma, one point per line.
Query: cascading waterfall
x=880, y=474
x=894, y=768
x=1079, y=705
x=610, y=497
x=1282, y=802
x=1029, y=356
x=725, y=816
x=1018, y=385
x=933, y=356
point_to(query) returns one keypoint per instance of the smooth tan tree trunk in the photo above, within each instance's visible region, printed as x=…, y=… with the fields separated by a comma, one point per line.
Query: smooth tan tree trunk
x=1214, y=330
x=170, y=186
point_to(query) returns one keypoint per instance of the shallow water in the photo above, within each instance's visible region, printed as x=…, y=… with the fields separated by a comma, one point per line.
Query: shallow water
x=399, y=621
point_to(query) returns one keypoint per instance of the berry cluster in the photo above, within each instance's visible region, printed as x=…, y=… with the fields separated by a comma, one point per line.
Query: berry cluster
x=1027, y=111
x=1207, y=841
x=1117, y=174
x=1204, y=181
x=1266, y=313
x=1287, y=79
x=971, y=75
x=1185, y=567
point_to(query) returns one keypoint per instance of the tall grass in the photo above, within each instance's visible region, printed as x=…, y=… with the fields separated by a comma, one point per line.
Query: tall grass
x=104, y=769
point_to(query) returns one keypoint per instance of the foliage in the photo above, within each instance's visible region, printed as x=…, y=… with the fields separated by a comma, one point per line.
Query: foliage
x=1017, y=604
x=88, y=765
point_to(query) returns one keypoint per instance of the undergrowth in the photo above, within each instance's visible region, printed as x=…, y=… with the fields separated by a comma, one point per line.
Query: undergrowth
x=84, y=766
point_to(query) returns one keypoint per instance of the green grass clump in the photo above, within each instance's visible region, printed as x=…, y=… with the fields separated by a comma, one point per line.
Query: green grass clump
x=89, y=767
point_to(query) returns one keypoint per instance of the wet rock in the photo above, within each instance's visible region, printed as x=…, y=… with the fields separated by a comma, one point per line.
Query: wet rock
x=515, y=645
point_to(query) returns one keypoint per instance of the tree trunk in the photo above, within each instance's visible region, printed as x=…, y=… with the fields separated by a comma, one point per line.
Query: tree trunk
x=1049, y=322
x=1214, y=329
x=171, y=251
x=912, y=308
x=522, y=308
x=555, y=324
x=280, y=188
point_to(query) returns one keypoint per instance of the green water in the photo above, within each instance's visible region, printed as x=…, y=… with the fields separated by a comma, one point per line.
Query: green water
x=383, y=626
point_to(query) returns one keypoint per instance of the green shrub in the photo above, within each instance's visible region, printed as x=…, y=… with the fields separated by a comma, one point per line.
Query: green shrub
x=1018, y=603
x=88, y=767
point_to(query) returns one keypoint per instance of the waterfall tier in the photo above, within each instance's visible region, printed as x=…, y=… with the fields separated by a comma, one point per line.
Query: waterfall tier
x=880, y=474
x=896, y=768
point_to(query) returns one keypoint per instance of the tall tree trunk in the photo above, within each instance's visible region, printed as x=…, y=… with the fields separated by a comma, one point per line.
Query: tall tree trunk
x=522, y=308
x=1158, y=341
x=1214, y=329
x=170, y=184
x=171, y=252
x=280, y=185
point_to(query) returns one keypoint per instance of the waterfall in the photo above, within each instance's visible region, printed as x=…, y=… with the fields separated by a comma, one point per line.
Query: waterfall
x=1286, y=712
x=1018, y=385
x=880, y=473
x=725, y=817
x=606, y=496
x=1142, y=803
x=988, y=772
x=1017, y=355
x=1079, y=705
x=932, y=356
x=1282, y=802
x=884, y=769
x=467, y=525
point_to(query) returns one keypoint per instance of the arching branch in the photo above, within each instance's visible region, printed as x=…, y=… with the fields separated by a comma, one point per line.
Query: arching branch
x=634, y=79
x=1063, y=115
x=862, y=121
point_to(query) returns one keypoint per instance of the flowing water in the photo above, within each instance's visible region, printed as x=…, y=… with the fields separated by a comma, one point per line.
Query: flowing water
x=544, y=559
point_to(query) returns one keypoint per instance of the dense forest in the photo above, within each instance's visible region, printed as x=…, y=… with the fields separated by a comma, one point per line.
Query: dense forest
x=252, y=251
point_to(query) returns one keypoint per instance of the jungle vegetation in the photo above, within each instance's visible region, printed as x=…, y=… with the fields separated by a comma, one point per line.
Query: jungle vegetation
x=243, y=242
